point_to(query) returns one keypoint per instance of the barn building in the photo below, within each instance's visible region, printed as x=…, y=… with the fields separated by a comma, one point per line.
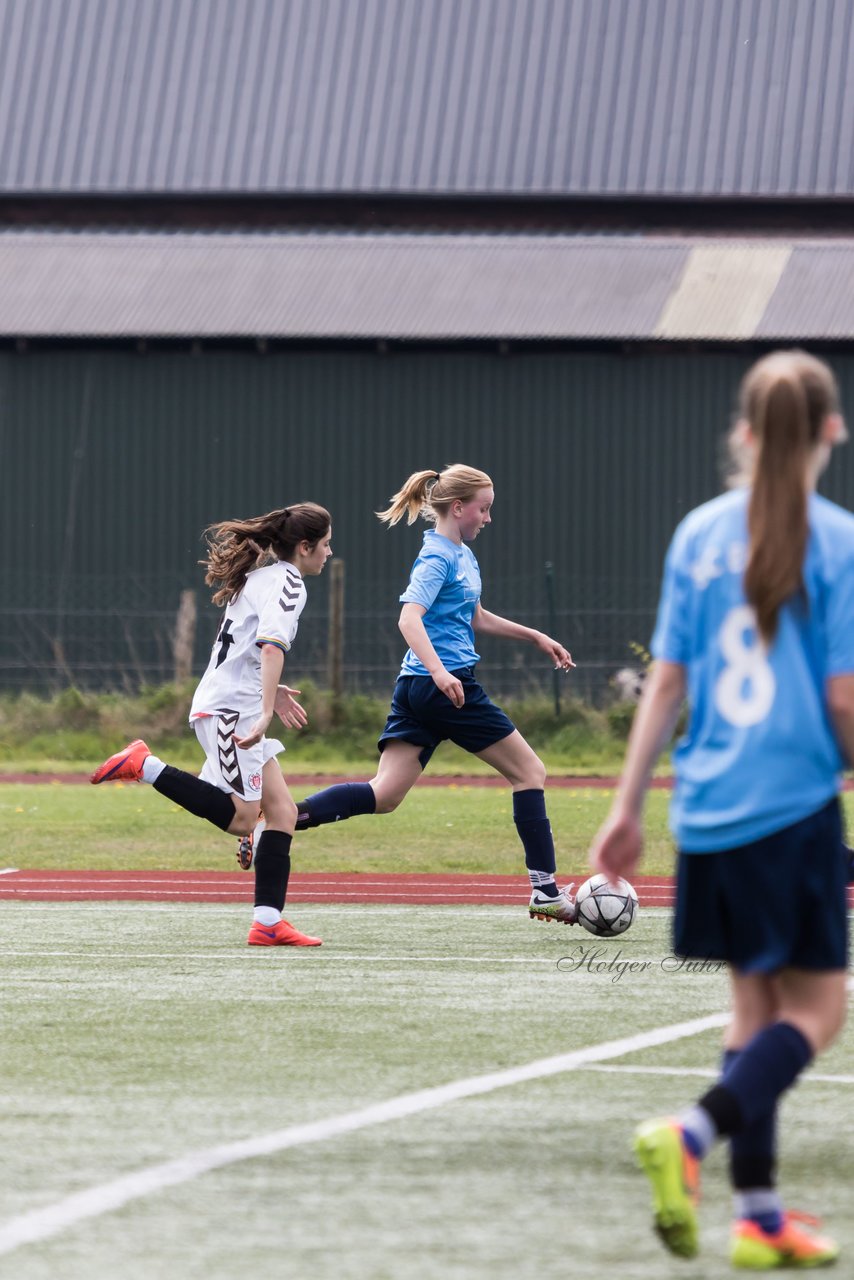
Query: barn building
x=260, y=251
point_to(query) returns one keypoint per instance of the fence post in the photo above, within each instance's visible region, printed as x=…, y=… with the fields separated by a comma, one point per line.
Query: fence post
x=184, y=642
x=550, y=597
x=335, y=651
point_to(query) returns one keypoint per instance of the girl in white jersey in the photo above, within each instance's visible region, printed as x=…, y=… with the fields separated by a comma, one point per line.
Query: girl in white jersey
x=437, y=695
x=257, y=567
x=755, y=626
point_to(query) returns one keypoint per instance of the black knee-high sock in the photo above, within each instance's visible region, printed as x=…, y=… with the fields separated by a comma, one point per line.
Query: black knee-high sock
x=535, y=831
x=272, y=869
x=763, y=1070
x=198, y=797
x=335, y=803
x=752, y=1151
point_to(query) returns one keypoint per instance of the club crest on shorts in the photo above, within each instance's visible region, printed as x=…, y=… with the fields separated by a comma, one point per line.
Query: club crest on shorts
x=254, y=781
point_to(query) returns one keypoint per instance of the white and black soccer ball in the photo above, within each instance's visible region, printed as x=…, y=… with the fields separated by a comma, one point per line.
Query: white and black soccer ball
x=605, y=909
x=628, y=684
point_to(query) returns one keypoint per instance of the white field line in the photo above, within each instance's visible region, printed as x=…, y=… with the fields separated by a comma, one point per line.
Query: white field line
x=208, y=894
x=710, y=1074
x=317, y=957
x=308, y=881
x=131, y=906
x=8, y=871
x=42, y=1224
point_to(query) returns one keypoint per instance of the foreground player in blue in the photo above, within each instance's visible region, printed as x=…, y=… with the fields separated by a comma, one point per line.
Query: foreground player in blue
x=437, y=695
x=755, y=627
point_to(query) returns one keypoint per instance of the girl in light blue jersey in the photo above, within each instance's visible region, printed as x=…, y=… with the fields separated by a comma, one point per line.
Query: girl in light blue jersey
x=756, y=627
x=437, y=695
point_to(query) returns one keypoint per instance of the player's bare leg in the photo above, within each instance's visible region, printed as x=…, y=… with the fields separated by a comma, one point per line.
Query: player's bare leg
x=399, y=769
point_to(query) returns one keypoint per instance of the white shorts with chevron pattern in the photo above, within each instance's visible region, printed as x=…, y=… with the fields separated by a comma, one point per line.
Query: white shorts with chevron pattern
x=229, y=767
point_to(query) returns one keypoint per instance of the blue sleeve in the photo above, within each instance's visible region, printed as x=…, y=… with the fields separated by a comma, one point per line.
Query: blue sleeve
x=840, y=615
x=671, y=641
x=429, y=575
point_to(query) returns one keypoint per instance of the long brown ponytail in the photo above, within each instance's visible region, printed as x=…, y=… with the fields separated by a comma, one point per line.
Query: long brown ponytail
x=785, y=398
x=236, y=547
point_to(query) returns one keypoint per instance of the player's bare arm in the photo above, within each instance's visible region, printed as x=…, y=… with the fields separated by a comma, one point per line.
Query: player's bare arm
x=272, y=661
x=491, y=624
x=412, y=629
x=292, y=713
x=617, y=847
x=840, y=701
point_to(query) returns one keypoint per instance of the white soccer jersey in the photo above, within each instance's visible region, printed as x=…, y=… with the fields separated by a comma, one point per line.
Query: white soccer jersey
x=266, y=612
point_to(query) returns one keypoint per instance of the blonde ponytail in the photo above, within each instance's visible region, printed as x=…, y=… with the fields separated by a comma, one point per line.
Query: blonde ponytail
x=410, y=500
x=430, y=493
x=785, y=398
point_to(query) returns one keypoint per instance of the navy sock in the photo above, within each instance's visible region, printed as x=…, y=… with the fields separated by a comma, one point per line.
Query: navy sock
x=272, y=869
x=198, y=797
x=334, y=804
x=535, y=831
x=753, y=1150
x=763, y=1071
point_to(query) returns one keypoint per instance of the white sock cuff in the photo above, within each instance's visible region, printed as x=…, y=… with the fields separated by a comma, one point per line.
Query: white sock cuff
x=266, y=915
x=152, y=768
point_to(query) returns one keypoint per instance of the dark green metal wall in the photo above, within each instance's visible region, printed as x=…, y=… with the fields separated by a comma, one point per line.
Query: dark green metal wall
x=112, y=463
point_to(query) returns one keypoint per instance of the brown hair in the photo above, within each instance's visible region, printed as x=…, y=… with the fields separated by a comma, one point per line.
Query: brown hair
x=236, y=547
x=785, y=398
x=430, y=493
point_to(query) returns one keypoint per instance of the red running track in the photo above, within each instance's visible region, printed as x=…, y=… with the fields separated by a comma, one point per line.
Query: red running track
x=315, y=781
x=318, y=887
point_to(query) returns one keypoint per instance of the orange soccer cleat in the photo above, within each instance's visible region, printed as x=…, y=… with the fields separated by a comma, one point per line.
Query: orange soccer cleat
x=246, y=845
x=756, y=1250
x=279, y=935
x=124, y=766
x=246, y=851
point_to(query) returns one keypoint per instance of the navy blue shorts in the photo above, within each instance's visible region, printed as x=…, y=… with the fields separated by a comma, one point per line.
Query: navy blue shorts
x=778, y=903
x=421, y=714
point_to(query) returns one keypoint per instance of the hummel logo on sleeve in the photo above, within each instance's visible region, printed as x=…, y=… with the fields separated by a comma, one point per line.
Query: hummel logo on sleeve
x=289, y=599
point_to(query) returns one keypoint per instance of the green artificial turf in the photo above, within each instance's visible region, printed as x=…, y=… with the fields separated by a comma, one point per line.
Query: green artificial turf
x=136, y=1034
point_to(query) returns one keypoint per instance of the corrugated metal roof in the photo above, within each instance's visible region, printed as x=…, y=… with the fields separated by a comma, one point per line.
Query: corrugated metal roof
x=565, y=97
x=423, y=287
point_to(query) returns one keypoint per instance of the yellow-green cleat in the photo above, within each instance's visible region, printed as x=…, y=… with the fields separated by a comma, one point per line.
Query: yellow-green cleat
x=674, y=1176
x=753, y=1249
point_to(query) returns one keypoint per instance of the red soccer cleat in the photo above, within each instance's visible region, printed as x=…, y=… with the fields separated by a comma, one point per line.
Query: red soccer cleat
x=279, y=935
x=124, y=766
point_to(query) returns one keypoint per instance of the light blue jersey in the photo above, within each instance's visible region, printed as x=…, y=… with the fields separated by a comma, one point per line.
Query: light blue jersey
x=759, y=753
x=445, y=579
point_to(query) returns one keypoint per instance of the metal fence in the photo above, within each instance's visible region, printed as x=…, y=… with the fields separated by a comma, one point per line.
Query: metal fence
x=102, y=632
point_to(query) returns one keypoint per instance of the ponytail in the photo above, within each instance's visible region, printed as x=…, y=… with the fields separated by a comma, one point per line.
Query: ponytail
x=236, y=547
x=430, y=493
x=409, y=501
x=785, y=398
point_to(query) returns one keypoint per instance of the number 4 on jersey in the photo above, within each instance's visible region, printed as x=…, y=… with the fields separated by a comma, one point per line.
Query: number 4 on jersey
x=225, y=640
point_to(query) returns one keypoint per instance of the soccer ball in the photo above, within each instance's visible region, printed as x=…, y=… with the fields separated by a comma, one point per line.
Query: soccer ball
x=604, y=909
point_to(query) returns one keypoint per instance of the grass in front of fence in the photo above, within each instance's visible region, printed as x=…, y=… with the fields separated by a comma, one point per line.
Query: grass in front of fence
x=460, y=828
x=136, y=1035
x=75, y=731
x=466, y=829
